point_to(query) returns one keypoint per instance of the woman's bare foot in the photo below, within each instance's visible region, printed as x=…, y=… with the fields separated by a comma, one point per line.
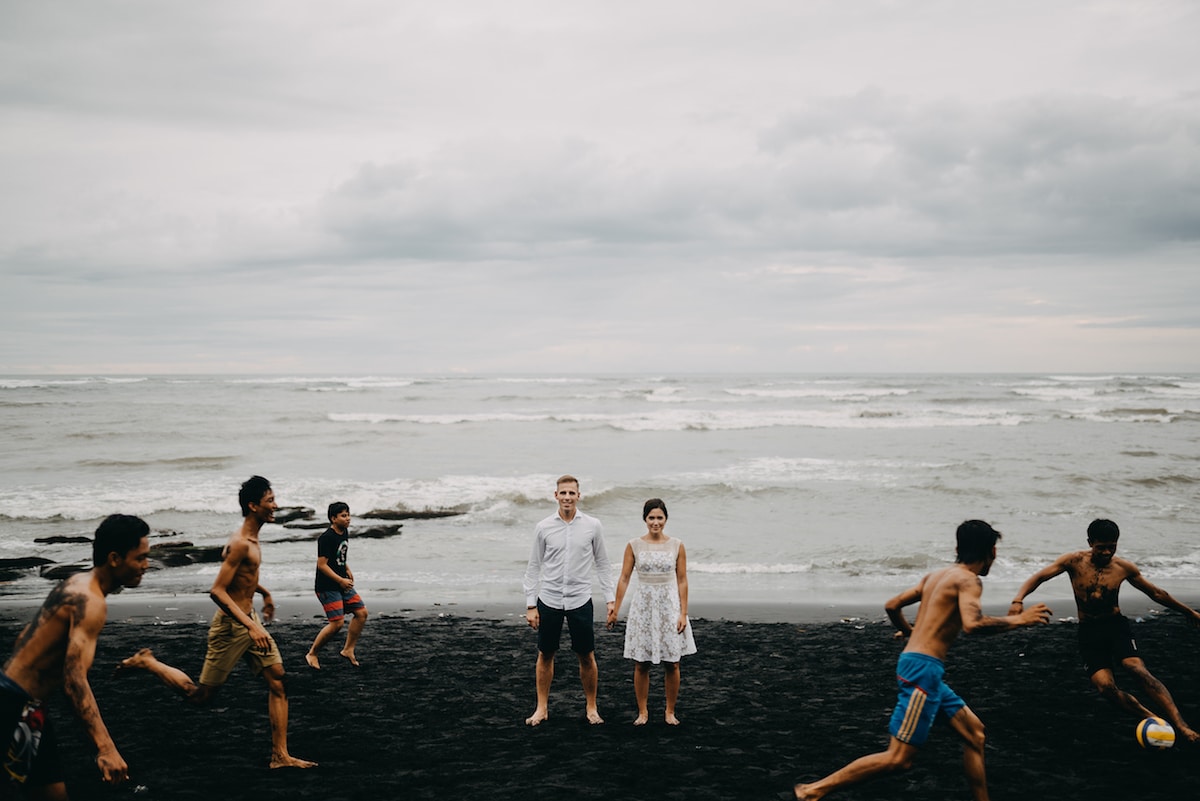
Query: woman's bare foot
x=641, y=719
x=593, y=717
x=671, y=719
x=538, y=717
x=312, y=661
x=349, y=657
x=289, y=761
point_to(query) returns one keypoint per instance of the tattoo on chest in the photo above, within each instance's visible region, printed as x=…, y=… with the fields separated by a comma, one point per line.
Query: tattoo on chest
x=1098, y=589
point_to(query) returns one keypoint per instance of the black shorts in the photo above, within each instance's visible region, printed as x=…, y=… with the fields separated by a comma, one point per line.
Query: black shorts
x=1105, y=641
x=30, y=753
x=579, y=622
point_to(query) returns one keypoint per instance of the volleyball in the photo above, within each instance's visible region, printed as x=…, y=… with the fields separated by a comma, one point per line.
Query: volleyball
x=1155, y=733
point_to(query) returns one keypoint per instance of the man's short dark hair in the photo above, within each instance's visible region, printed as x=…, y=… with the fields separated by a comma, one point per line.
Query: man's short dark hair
x=253, y=490
x=118, y=534
x=976, y=539
x=1102, y=530
x=336, y=508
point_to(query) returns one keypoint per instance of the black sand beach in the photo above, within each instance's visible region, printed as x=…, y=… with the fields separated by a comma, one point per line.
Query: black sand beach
x=437, y=710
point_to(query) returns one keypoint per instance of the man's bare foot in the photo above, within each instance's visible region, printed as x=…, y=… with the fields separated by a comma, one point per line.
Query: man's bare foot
x=593, y=717
x=801, y=792
x=138, y=661
x=641, y=719
x=349, y=657
x=1190, y=736
x=538, y=717
x=671, y=719
x=289, y=761
x=312, y=661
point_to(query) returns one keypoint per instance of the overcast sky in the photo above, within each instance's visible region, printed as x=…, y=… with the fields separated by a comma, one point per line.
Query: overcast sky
x=394, y=187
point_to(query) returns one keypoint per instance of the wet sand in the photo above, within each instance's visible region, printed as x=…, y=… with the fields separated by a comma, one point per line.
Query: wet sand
x=437, y=712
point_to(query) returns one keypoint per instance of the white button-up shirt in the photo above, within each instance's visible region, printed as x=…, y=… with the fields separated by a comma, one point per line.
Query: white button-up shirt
x=560, y=566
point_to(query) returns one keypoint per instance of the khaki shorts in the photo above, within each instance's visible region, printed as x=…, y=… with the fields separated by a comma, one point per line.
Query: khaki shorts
x=229, y=642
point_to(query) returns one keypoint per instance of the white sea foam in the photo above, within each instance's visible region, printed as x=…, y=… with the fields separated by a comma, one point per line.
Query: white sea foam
x=42, y=383
x=755, y=475
x=738, y=568
x=848, y=393
x=778, y=484
x=675, y=419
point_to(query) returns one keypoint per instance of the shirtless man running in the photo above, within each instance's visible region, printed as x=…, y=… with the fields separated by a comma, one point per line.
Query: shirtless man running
x=236, y=631
x=1104, y=634
x=56, y=650
x=949, y=601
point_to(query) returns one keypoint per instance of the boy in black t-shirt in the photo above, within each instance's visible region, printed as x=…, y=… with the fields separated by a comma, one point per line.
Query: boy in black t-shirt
x=334, y=586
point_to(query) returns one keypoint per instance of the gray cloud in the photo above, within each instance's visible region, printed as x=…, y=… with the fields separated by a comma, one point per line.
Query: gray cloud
x=781, y=186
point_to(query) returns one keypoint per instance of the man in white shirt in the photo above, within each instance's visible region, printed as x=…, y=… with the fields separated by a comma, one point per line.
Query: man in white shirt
x=558, y=586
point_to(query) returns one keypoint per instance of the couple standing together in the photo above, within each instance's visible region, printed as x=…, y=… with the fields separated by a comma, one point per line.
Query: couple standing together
x=567, y=546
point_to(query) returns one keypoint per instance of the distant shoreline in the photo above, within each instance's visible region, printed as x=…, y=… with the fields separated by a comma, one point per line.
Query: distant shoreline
x=156, y=608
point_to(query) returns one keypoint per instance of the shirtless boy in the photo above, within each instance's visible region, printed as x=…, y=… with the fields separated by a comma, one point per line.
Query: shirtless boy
x=949, y=602
x=56, y=650
x=236, y=632
x=1104, y=633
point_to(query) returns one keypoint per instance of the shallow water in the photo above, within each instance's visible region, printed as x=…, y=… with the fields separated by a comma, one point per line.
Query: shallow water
x=784, y=488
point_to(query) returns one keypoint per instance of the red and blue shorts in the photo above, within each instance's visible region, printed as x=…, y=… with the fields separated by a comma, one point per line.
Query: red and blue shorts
x=337, y=603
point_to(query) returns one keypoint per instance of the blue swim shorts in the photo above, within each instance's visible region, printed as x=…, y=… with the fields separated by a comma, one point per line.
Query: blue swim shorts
x=923, y=697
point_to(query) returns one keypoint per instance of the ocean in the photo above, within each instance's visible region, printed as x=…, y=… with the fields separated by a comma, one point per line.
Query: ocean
x=785, y=488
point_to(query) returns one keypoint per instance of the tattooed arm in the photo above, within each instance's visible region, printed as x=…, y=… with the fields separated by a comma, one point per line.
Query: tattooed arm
x=86, y=620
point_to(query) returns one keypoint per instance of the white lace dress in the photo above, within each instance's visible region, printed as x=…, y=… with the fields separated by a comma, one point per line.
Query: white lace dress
x=650, y=634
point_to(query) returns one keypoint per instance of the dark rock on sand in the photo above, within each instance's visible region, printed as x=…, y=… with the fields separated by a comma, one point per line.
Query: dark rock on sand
x=286, y=514
x=370, y=533
x=14, y=568
x=305, y=538
x=178, y=554
x=24, y=562
x=396, y=514
x=60, y=572
x=376, y=532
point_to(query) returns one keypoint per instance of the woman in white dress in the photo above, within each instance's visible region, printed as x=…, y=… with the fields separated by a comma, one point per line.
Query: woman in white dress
x=658, y=629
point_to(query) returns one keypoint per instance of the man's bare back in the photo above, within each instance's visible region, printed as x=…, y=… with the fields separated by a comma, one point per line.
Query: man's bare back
x=57, y=649
x=939, y=618
x=77, y=604
x=950, y=603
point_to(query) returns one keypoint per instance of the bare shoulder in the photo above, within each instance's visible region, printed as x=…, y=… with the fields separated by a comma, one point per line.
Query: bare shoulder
x=1125, y=566
x=1075, y=562
x=949, y=580
x=238, y=549
x=71, y=598
x=67, y=606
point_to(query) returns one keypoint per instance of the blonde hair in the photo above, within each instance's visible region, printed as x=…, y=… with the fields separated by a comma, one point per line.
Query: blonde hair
x=566, y=479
